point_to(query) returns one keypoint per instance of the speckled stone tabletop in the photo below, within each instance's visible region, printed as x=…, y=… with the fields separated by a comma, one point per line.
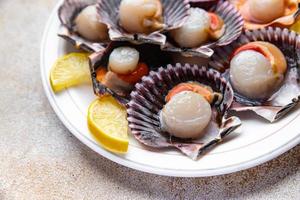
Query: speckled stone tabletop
x=40, y=159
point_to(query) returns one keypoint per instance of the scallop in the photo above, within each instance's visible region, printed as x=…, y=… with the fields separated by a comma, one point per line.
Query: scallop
x=159, y=108
x=186, y=115
x=278, y=47
x=195, y=31
x=251, y=74
x=141, y=16
x=88, y=25
x=262, y=13
x=123, y=60
x=265, y=11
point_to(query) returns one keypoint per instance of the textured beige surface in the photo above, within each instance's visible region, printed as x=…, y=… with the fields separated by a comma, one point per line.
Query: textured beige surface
x=40, y=159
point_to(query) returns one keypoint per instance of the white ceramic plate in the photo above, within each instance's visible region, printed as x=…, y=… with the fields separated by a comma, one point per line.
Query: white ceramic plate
x=254, y=143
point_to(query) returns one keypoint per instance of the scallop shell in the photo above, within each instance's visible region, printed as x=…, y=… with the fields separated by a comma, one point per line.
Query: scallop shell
x=148, y=99
x=67, y=13
x=284, y=21
x=206, y=4
x=233, y=23
x=288, y=95
x=149, y=54
x=175, y=13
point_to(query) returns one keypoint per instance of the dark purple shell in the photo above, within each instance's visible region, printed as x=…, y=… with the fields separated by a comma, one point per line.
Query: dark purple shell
x=149, y=54
x=206, y=4
x=174, y=14
x=67, y=13
x=233, y=24
x=288, y=95
x=148, y=99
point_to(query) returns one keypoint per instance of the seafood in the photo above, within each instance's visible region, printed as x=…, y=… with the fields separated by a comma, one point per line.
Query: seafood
x=124, y=70
x=88, y=25
x=123, y=60
x=259, y=14
x=205, y=30
x=82, y=26
x=262, y=66
x=116, y=69
x=142, y=21
x=187, y=111
x=199, y=28
x=147, y=16
x=161, y=111
x=185, y=106
x=186, y=115
x=258, y=9
x=257, y=69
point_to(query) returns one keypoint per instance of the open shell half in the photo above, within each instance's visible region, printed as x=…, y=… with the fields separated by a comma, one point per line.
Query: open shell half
x=233, y=22
x=149, y=54
x=288, y=95
x=67, y=13
x=290, y=14
x=174, y=15
x=148, y=99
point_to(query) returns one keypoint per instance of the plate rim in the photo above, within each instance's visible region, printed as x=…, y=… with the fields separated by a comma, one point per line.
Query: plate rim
x=137, y=166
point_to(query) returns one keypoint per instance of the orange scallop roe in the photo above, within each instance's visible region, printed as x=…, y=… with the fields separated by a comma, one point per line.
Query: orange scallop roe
x=216, y=22
x=193, y=87
x=217, y=28
x=141, y=70
x=100, y=74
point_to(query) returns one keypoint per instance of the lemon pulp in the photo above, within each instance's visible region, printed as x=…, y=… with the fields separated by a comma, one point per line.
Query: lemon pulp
x=108, y=124
x=70, y=70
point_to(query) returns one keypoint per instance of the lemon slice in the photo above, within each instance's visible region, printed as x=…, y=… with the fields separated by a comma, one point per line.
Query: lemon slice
x=108, y=124
x=296, y=27
x=70, y=70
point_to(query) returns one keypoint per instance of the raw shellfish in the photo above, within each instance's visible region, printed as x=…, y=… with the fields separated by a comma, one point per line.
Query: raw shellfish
x=81, y=25
x=138, y=16
x=148, y=99
x=188, y=111
x=194, y=37
x=257, y=69
x=275, y=99
x=88, y=25
x=146, y=21
x=259, y=14
x=116, y=69
x=198, y=29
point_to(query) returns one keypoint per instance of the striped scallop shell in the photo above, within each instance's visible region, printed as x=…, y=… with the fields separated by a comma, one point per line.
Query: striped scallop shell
x=288, y=95
x=67, y=13
x=147, y=100
x=174, y=13
x=233, y=24
x=149, y=54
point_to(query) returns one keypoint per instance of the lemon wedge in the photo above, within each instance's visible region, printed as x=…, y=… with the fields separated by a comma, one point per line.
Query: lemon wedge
x=70, y=70
x=296, y=26
x=108, y=124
